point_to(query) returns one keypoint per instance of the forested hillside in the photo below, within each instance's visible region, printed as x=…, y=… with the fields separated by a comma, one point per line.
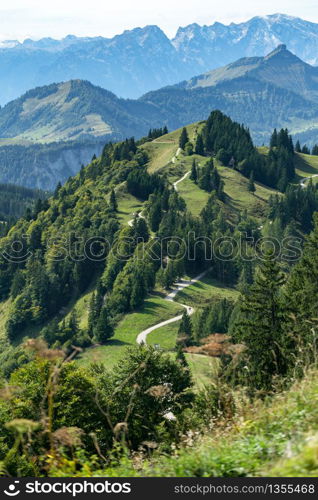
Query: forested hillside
x=194, y=242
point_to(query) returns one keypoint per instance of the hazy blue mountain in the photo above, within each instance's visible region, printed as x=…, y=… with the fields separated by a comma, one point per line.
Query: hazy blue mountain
x=278, y=90
x=72, y=110
x=49, y=132
x=144, y=59
x=129, y=64
x=70, y=121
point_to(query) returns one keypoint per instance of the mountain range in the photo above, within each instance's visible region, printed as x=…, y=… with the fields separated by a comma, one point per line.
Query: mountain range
x=46, y=134
x=278, y=90
x=144, y=59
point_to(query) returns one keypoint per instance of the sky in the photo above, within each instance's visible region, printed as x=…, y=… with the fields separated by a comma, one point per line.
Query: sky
x=57, y=18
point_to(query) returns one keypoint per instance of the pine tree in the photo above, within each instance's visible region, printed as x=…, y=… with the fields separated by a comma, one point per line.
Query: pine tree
x=246, y=278
x=297, y=147
x=103, y=329
x=260, y=327
x=199, y=146
x=138, y=291
x=305, y=150
x=113, y=201
x=274, y=139
x=315, y=150
x=205, y=179
x=185, y=330
x=91, y=315
x=57, y=189
x=183, y=138
x=251, y=186
x=194, y=172
x=73, y=323
x=302, y=292
x=180, y=356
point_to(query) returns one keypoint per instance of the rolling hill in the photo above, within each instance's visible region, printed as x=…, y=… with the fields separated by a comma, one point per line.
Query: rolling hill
x=100, y=271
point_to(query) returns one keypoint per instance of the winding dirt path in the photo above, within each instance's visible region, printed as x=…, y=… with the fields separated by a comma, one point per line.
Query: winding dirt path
x=181, y=285
x=303, y=182
x=175, y=184
x=173, y=159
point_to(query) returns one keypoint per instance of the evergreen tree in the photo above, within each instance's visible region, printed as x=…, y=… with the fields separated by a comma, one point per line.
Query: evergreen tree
x=113, y=201
x=103, y=329
x=91, y=315
x=274, y=139
x=251, y=186
x=180, y=356
x=185, y=330
x=297, y=147
x=183, y=138
x=194, y=173
x=301, y=297
x=73, y=323
x=260, y=327
x=246, y=278
x=57, y=189
x=305, y=150
x=315, y=150
x=205, y=179
x=138, y=291
x=199, y=145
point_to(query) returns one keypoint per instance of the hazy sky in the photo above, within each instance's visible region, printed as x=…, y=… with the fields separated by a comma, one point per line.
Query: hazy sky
x=37, y=18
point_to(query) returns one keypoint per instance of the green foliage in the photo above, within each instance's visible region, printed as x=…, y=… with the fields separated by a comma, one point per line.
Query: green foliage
x=213, y=318
x=185, y=330
x=184, y=139
x=259, y=326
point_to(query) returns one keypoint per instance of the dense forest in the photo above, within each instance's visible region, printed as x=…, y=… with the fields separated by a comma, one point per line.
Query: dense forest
x=70, y=243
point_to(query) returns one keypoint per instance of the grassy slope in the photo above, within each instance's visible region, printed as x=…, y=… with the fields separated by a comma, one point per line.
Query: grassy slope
x=127, y=204
x=306, y=166
x=277, y=438
x=154, y=310
x=163, y=149
x=204, y=290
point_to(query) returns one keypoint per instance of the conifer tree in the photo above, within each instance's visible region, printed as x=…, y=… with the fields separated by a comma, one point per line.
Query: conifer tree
x=180, y=356
x=199, y=146
x=194, y=172
x=260, y=327
x=57, y=189
x=274, y=139
x=183, y=138
x=302, y=292
x=103, y=329
x=205, y=180
x=315, y=150
x=297, y=147
x=251, y=186
x=185, y=330
x=113, y=201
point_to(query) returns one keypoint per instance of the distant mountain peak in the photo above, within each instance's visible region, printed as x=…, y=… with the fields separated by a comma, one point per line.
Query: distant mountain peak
x=281, y=48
